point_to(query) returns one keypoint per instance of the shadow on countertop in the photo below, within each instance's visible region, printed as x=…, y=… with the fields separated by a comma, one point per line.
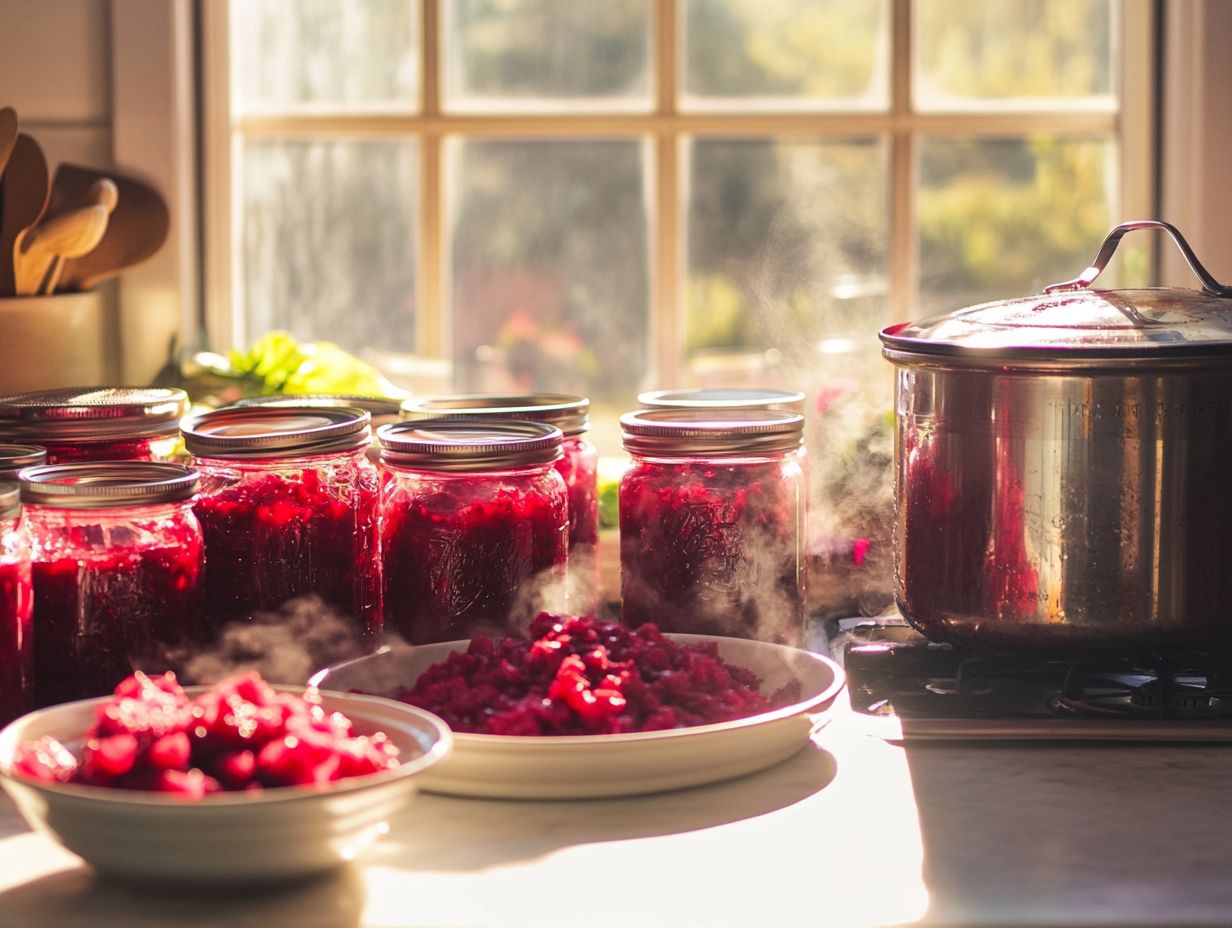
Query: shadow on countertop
x=1077, y=834
x=78, y=898
x=484, y=833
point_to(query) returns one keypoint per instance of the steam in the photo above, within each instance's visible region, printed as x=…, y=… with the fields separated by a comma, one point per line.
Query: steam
x=818, y=287
x=285, y=646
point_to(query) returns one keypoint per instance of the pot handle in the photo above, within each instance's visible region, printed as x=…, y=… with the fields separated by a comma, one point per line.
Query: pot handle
x=1087, y=277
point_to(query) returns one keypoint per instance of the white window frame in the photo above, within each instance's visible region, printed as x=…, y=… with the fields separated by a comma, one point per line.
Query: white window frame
x=667, y=127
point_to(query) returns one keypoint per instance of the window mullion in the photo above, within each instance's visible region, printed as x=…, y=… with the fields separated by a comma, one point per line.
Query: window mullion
x=902, y=167
x=666, y=323
x=432, y=309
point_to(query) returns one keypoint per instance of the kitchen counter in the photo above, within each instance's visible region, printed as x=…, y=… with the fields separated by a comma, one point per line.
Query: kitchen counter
x=851, y=831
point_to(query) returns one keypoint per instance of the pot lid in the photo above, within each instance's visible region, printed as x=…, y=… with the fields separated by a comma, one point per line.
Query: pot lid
x=1071, y=323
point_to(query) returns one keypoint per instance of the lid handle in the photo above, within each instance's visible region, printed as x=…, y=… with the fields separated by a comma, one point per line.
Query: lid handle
x=1087, y=277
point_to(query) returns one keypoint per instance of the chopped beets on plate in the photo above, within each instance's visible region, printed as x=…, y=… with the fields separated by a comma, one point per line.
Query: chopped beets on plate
x=578, y=676
x=241, y=734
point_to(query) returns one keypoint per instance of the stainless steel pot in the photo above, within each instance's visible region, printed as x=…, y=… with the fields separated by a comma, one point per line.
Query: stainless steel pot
x=1064, y=466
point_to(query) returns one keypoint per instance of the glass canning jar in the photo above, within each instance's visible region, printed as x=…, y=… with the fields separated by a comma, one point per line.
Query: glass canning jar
x=15, y=457
x=712, y=519
x=288, y=504
x=474, y=526
x=578, y=465
x=95, y=423
x=117, y=569
x=16, y=603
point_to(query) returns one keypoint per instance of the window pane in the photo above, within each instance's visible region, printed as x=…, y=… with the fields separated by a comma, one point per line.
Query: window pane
x=787, y=257
x=297, y=55
x=550, y=267
x=807, y=54
x=329, y=241
x=1002, y=218
x=1014, y=53
x=547, y=54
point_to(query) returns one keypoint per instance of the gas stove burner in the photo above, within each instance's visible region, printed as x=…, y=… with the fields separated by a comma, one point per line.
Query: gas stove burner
x=1162, y=695
x=909, y=688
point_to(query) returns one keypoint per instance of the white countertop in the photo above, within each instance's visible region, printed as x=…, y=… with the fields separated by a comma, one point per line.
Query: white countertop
x=851, y=831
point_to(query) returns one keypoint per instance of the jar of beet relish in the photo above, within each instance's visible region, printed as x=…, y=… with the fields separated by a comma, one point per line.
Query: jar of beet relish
x=474, y=526
x=118, y=572
x=712, y=518
x=95, y=423
x=288, y=504
x=15, y=457
x=578, y=465
x=16, y=603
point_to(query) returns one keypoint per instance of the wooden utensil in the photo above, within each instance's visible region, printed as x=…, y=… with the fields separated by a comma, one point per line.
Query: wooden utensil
x=103, y=193
x=39, y=252
x=24, y=199
x=8, y=136
x=136, y=230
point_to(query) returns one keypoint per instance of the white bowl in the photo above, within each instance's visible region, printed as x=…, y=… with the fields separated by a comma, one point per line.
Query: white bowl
x=585, y=766
x=271, y=835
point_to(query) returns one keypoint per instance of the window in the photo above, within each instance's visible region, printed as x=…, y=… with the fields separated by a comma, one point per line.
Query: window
x=606, y=196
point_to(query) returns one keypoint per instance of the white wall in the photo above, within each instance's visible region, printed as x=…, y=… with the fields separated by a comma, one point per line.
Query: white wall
x=1197, y=136
x=55, y=70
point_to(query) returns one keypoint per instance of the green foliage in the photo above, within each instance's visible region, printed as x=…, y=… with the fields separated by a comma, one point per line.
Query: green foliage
x=987, y=232
x=1016, y=48
x=284, y=365
x=822, y=48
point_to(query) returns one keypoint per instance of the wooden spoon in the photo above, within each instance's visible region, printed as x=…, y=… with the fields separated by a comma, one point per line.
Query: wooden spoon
x=136, y=230
x=8, y=135
x=24, y=199
x=103, y=193
x=39, y=252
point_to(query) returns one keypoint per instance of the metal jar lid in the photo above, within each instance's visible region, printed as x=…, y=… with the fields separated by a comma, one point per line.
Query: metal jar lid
x=106, y=484
x=238, y=432
x=469, y=444
x=791, y=400
x=380, y=408
x=706, y=432
x=1071, y=325
x=92, y=413
x=570, y=414
x=10, y=500
x=14, y=457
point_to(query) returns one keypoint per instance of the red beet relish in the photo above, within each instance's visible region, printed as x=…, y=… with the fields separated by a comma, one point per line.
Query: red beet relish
x=240, y=735
x=285, y=522
x=117, y=570
x=577, y=676
x=82, y=424
x=473, y=520
x=578, y=465
x=16, y=602
x=712, y=523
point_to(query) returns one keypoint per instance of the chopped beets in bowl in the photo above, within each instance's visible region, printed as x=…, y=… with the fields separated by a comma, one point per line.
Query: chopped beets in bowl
x=241, y=734
x=578, y=676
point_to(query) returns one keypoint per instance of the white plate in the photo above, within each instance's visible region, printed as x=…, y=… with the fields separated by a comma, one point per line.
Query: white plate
x=586, y=766
x=228, y=839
